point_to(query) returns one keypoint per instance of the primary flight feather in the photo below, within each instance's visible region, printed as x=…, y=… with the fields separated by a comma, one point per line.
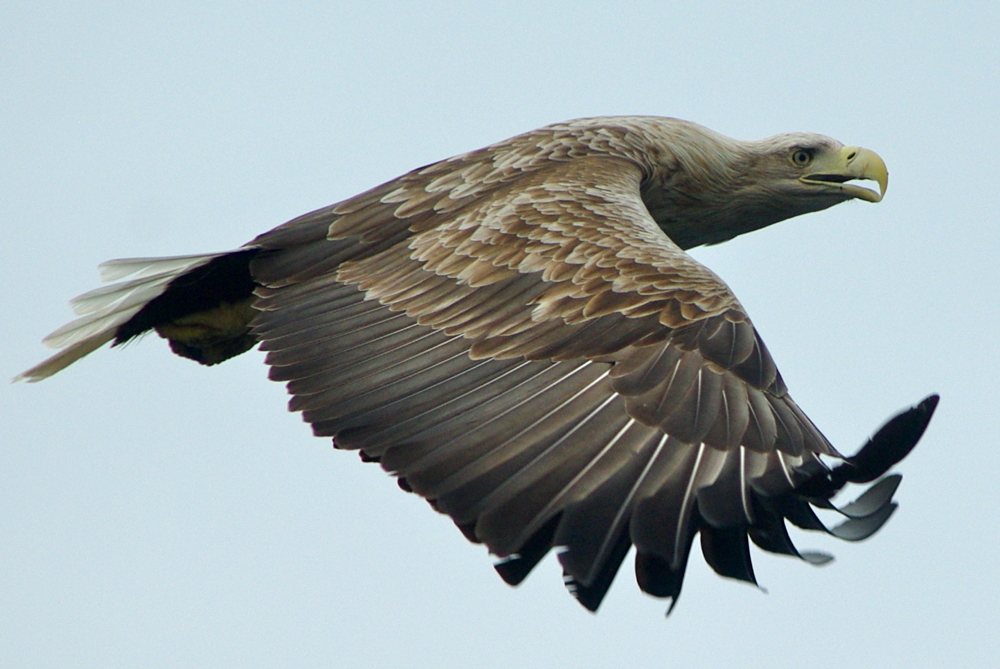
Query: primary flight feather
x=518, y=334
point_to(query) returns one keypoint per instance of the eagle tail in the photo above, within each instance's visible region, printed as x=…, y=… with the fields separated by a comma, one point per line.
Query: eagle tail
x=104, y=311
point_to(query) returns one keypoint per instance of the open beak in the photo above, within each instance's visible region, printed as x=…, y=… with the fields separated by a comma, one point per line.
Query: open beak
x=851, y=162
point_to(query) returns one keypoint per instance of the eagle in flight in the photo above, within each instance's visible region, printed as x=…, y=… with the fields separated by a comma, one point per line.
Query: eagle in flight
x=518, y=335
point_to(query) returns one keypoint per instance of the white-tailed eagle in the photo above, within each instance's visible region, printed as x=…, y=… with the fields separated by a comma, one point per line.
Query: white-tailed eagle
x=518, y=335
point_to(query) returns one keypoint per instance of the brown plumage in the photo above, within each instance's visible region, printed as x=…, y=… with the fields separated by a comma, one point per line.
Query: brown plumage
x=519, y=336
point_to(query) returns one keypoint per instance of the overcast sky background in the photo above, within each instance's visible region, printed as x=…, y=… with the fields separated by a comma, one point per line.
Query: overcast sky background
x=157, y=513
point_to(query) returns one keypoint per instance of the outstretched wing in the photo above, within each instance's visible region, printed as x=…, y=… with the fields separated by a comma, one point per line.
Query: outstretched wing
x=537, y=359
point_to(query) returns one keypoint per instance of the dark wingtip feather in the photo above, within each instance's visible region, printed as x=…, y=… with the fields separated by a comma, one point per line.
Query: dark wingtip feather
x=656, y=577
x=857, y=529
x=891, y=443
x=873, y=499
x=516, y=567
x=467, y=529
x=727, y=551
x=591, y=596
x=768, y=531
x=816, y=558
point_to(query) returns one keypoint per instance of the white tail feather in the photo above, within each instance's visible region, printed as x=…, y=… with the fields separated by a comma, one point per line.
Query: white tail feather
x=105, y=309
x=64, y=358
x=100, y=298
x=89, y=326
x=112, y=270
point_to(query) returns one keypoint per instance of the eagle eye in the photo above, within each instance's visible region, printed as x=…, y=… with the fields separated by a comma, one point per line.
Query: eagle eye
x=802, y=157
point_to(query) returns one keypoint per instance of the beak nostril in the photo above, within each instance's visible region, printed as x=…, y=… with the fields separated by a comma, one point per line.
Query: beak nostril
x=851, y=155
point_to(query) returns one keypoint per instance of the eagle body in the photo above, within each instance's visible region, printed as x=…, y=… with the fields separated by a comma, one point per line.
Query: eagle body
x=518, y=335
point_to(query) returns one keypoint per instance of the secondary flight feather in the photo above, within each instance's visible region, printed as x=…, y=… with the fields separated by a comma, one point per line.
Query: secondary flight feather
x=518, y=334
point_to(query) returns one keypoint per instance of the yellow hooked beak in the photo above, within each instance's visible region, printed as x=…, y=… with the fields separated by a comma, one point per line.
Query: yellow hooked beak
x=851, y=162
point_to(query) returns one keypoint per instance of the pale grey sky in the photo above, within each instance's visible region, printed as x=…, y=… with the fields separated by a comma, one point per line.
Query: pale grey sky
x=156, y=513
